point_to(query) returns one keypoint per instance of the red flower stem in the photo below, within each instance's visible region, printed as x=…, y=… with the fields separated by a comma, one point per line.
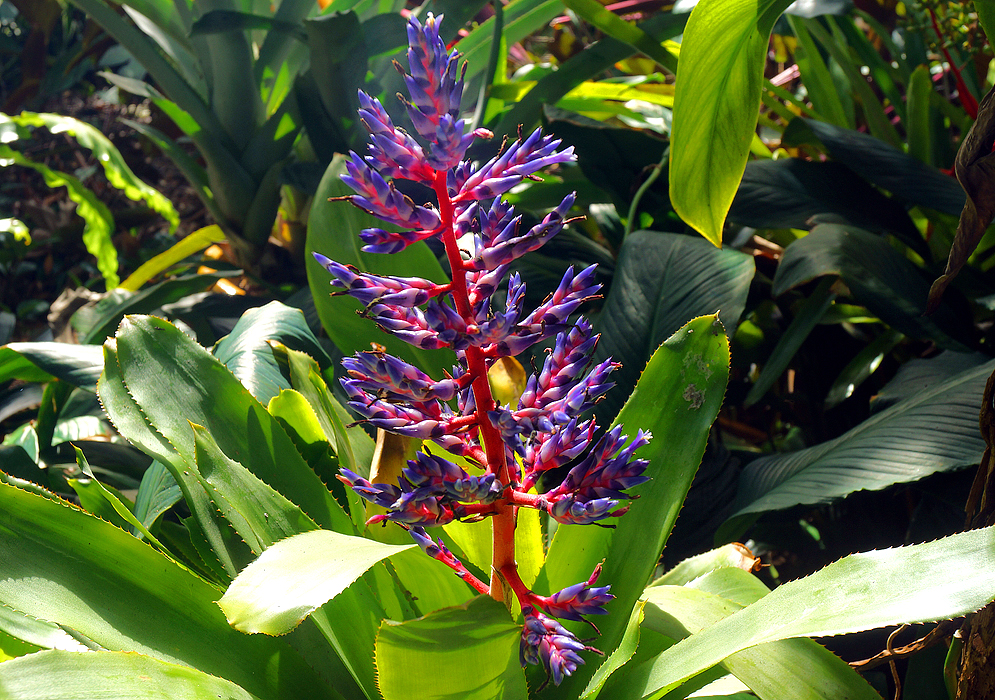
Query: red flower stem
x=503, y=522
x=966, y=98
x=522, y=592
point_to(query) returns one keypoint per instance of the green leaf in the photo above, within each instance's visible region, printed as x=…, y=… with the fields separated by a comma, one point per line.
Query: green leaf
x=716, y=105
x=220, y=21
x=677, y=398
x=917, y=122
x=790, y=668
x=247, y=352
x=807, y=317
x=862, y=366
x=184, y=248
x=619, y=657
x=934, y=429
x=863, y=591
x=56, y=675
x=105, y=317
x=333, y=230
x=616, y=27
x=295, y=576
x=662, y=280
x=72, y=569
x=38, y=633
x=157, y=493
x=98, y=223
x=463, y=653
x=728, y=555
x=876, y=275
x=115, y=168
x=79, y=365
x=881, y=164
x=175, y=382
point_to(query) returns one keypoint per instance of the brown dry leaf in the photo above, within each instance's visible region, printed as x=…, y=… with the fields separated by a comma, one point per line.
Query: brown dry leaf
x=975, y=168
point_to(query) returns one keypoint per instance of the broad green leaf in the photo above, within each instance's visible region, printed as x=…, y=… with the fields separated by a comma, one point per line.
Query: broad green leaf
x=333, y=230
x=917, y=122
x=184, y=248
x=934, y=429
x=862, y=591
x=827, y=99
x=220, y=21
x=716, y=104
x=38, y=633
x=877, y=277
x=789, y=668
x=463, y=653
x=788, y=192
x=521, y=18
x=115, y=168
x=247, y=352
x=65, y=566
x=881, y=164
x=662, y=280
x=79, y=365
x=56, y=675
x=677, y=399
x=98, y=222
x=917, y=376
x=728, y=555
x=295, y=576
x=175, y=382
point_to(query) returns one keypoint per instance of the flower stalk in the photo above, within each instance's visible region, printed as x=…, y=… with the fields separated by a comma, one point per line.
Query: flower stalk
x=520, y=449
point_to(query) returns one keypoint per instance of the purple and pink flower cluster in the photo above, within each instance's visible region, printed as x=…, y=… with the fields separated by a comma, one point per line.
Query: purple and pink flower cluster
x=512, y=446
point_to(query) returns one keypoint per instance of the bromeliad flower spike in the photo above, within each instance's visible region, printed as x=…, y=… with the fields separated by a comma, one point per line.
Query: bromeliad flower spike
x=513, y=446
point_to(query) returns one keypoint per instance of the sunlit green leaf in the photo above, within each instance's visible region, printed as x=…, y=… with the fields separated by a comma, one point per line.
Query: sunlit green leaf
x=295, y=576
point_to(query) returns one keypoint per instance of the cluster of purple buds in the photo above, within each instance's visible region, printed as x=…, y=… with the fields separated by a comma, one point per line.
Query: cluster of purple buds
x=514, y=445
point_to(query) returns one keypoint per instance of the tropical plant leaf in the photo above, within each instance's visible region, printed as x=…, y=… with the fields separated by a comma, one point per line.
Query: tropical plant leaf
x=892, y=446
x=716, y=104
x=157, y=493
x=75, y=570
x=616, y=27
x=917, y=376
x=789, y=668
x=333, y=230
x=728, y=555
x=184, y=248
x=54, y=675
x=877, y=277
x=662, y=280
x=98, y=222
x=476, y=644
x=881, y=164
x=677, y=398
x=220, y=21
x=297, y=575
x=79, y=365
x=620, y=656
x=862, y=591
x=247, y=352
x=106, y=153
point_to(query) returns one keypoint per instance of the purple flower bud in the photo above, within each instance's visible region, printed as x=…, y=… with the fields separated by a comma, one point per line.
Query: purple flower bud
x=508, y=246
x=419, y=420
x=392, y=151
x=383, y=495
x=508, y=169
x=577, y=600
x=545, y=641
x=572, y=510
x=379, y=198
x=368, y=289
x=441, y=477
x=608, y=470
x=413, y=509
x=391, y=378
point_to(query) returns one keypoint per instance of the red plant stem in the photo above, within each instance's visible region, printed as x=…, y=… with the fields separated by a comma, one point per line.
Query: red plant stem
x=966, y=98
x=522, y=592
x=503, y=522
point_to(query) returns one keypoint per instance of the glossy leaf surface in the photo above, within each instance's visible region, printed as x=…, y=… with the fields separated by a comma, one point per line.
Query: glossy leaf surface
x=717, y=100
x=297, y=575
x=462, y=653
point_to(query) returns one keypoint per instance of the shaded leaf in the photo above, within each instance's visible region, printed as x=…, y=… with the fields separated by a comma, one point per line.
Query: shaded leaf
x=79, y=365
x=184, y=248
x=933, y=429
x=876, y=275
x=662, y=280
x=220, y=21
x=295, y=576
